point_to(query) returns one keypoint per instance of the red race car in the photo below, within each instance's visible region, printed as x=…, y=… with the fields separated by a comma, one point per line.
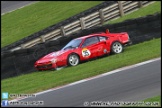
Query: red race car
x=84, y=48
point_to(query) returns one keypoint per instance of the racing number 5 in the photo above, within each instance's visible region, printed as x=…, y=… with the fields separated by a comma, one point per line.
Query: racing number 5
x=85, y=53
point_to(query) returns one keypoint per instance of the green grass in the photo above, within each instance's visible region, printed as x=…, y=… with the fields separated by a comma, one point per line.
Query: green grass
x=26, y=21
x=33, y=18
x=154, y=101
x=39, y=81
x=148, y=10
x=156, y=98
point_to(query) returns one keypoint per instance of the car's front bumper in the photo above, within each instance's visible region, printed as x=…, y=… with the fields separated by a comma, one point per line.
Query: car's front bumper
x=45, y=66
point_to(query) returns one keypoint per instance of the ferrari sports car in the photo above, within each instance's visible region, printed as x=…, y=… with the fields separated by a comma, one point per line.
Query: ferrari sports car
x=84, y=48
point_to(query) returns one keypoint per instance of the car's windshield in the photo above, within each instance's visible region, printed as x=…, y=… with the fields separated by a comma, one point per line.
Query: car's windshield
x=72, y=44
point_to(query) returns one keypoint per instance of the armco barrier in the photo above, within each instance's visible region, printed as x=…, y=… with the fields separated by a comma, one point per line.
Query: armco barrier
x=22, y=61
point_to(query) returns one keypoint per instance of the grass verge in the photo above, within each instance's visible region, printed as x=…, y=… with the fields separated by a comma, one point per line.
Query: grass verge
x=148, y=10
x=39, y=81
x=153, y=101
x=35, y=17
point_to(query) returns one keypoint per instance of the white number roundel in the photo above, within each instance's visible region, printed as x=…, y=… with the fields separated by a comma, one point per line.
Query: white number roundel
x=85, y=52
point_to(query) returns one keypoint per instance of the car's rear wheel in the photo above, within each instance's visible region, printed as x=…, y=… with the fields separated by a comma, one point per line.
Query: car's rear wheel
x=116, y=47
x=73, y=59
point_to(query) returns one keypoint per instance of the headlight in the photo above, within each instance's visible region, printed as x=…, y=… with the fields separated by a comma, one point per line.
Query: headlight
x=53, y=60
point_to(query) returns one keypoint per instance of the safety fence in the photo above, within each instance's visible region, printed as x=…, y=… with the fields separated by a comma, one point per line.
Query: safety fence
x=103, y=13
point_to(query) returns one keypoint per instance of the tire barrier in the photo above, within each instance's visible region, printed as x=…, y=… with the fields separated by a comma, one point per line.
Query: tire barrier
x=58, y=25
x=22, y=61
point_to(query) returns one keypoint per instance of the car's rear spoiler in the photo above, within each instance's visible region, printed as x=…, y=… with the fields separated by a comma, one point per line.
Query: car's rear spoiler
x=107, y=31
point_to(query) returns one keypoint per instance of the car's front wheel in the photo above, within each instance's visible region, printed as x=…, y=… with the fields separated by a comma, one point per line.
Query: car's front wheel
x=73, y=59
x=116, y=47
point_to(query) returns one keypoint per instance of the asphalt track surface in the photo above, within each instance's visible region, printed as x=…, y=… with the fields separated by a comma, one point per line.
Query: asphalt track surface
x=134, y=84
x=8, y=6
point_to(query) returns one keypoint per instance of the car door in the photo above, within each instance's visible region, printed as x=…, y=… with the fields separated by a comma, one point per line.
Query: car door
x=90, y=47
x=103, y=45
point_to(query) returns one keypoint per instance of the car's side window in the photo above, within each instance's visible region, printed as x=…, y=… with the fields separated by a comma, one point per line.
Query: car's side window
x=90, y=41
x=102, y=38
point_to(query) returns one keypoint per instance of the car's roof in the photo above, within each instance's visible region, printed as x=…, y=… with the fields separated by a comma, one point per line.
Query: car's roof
x=87, y=36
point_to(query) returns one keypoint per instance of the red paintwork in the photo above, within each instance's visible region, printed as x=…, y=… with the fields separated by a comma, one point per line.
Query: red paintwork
x=95, y=50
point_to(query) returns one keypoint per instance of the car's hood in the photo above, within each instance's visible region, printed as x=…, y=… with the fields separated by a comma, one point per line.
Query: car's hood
x=55, y=54
x=51, y=56
x=43, y=60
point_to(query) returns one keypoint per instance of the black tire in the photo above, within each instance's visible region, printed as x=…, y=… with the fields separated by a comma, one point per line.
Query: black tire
x=74, y=57
x=116, y=47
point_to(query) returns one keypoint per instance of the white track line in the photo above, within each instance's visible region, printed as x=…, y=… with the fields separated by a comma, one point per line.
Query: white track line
x=94, y=77
x=19, y=8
